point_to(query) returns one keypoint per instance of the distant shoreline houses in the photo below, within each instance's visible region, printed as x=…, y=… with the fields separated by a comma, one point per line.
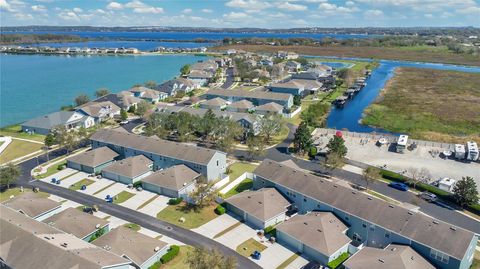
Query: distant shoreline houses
x=93, y=50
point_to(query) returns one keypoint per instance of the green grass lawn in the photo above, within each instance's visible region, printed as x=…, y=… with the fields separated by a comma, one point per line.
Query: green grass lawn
x=122, y=197
x=248, y=247
x=180, y=261
x=16, y=131
x=17, y=149
x=193, y=217
x=288, y=261
x=228, y=229
x=52, y=169
x=5, y=195
x=132, y=226
x=238, y=168
x=247, y=184
x=79, y=184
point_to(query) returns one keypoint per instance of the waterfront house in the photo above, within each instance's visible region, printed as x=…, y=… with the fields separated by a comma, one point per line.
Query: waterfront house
x=147, y=94
x=30, y=244
x=269, y=109
x=293, y=66
x=318, y=235
x=129, y=170
x=200, y=77
x=287, y=55
x=310, y=86
x=174, y=86
x=68, y=119
x=124, y=99
x=214, y=104
x=78, y=223
x=99, y=111
x=176, y=181
x=260, y=209
x=393, y=256
x=372, y=222
x=92, y=161
x=257, y=97
x=163, y=153
x=243, y=106
x=292, y=87
x=34, y=205
x=141, y=249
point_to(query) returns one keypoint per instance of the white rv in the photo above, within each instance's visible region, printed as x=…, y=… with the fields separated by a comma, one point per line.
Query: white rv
x=402, y=143
x=472, y=151
x=446, y=184
x=459, y=151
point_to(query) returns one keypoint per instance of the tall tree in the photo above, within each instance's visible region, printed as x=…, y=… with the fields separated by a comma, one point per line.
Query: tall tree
x=370, y=174
x=334, y=161
x=302, y=140
x=465, y=192
x=101, y=92
x=203, y=194
x=270, y=126
x=9, y=174
x=203, y=258
x=142, y=108
x=337, y=145
x=185, y=70
x=123, y=114
x=49, y=141
x=256, y=147
x=151, y=84
x=81, y=99
x=207, y=124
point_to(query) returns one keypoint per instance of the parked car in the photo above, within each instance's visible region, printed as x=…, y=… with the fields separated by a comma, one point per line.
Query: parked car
x=429, y=197
x=256, y=255
x=123, y=122
x=399, y=186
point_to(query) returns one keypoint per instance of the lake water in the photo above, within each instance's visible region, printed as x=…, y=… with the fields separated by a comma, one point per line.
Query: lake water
x=349, y=117
x=141, y=45
x=34, y=85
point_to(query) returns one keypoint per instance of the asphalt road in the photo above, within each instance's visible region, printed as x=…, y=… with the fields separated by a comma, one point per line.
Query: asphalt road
x=146, y=221
x=228, y=78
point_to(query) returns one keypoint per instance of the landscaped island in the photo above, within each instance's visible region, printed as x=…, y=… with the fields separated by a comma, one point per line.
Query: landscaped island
x=435, y=105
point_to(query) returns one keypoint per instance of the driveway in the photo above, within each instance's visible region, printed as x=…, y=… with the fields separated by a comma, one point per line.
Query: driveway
x=114, y=190
x=273, y=256
x=155, y=206
x=98, y=185
x=237, y=236
x=73, y=179
x=139, y=199
x=115, y=222
x=298, y=263
x=60, y=174
x=215, y=226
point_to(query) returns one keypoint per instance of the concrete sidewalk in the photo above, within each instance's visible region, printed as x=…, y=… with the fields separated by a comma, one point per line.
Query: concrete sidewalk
x=215, y=226
x=155, y=206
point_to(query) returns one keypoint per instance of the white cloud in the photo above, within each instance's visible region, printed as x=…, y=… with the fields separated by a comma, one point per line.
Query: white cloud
x=45, y=1
x=248, y=4
x=77, y=10
x=332, y=8
x=69, y=16
x=114, y=6
x=349, y=3
x=292, y=7
x=23, y=16
x=99, y=11
x=373, y=12
x=187, y=11
x=428, y=15
x=4, y=5
x=39, y=8
x=235, y=16
x=142, y=8
x=206, y=10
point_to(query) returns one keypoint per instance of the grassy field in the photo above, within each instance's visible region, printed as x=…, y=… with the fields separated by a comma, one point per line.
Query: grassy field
x=180, y=261
x=52, y=169
x=79, y=184
x=429, y=104
x=122, y=197
x=419, y=53
x=238, y=168
x=16, y=131
x=243, y=186
x=5, y=195
x=17, y=149
x=193, y=217
x=248, y=247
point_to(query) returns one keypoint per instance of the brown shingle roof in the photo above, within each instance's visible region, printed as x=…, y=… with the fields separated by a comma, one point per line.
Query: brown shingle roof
x=270, y=107
x=94, y=157
x=161, y=147
x=421, y=228
x=392, y=257
x=76, y=222
x=263, y=204
x=32, y=204
x=94, y=108
x=127, y=242
x=321, y=231
x=130, y=167
x=217, y=101
x=242, y=104
x=174, y=178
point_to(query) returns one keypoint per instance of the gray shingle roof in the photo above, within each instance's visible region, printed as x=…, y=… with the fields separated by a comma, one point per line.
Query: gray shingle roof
x=392, y=257
x=416, y=226
x=32, y=204
x=174, y=178
x=236, y=116
x=94, y=109
x=270, y=107
x=130, y=167
x=51, y=120
x=242, y=104
x=321, y=231
x=158, y=146
x=127, y=242
x=263, y=204
x=215, y=102
x=76, y=222
x=122, y=99
x=94, y=157
x=250, y=94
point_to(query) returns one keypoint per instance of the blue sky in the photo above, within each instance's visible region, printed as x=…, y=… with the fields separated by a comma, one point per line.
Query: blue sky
x=241, y=13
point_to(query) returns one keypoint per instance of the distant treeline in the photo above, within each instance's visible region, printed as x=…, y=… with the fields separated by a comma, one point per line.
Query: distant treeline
x=8, y=39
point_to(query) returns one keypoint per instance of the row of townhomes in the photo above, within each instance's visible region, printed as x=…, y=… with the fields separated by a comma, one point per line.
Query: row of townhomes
x=257, y=97
x=69, y=238
x=323, y=220
x=202, y=72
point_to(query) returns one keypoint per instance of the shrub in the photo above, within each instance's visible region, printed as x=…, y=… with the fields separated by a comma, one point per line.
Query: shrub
x=171, y=253
x=270, y=230
x=220, y=210
x=61, y=166
x=156, y=265
x=137, y=184
x=175, y=201
x=338, y=261
x=312, y=152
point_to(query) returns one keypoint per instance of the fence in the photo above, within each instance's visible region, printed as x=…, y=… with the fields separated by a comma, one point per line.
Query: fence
x=236, y=182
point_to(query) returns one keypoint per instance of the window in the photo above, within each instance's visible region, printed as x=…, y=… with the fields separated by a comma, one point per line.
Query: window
x=347, y=218
x=437, y=255
x=304, y=200
x=372, y=227
x=217, y=162
x=387, y=234
x=364, y=225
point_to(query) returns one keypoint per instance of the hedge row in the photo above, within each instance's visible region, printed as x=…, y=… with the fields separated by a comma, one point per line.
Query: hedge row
x=338, y=261
x=171, y=253
x=175, y=201
x=220, y=210
x=270, y=230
